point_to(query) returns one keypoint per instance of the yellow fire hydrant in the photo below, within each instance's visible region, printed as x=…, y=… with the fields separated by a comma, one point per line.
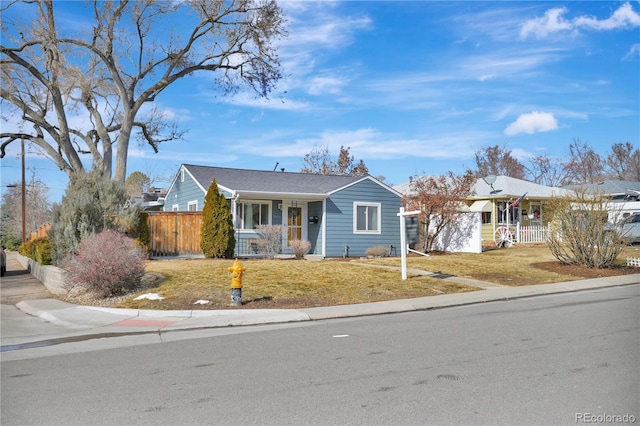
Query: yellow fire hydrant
x=236, y=270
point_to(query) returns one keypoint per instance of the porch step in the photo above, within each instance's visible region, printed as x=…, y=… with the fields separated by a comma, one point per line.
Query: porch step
x=314, y=257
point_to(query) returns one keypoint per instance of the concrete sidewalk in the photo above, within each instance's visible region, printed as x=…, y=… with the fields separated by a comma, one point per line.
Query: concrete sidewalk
x=89, y=320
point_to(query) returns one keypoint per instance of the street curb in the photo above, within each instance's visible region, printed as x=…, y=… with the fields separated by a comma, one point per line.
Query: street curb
x=471, y=298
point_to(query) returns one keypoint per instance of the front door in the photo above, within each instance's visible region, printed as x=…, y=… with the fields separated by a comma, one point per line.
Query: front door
x=294, y=223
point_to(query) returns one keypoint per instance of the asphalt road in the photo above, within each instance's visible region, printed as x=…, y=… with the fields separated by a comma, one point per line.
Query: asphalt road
x=557, y=359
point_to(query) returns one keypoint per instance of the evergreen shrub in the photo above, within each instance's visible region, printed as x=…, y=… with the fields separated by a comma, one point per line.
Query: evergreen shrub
x=38, y=250
x=142, y=233
x=91, y=203
x=216, y=235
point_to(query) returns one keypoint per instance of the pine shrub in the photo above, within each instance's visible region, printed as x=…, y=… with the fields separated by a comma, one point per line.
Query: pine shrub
x=216, y=235
x=107, y=264
x=142, y=233
x=91, y=203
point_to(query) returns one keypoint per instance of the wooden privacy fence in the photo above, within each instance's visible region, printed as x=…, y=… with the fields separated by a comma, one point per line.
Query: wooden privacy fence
x=175, y=233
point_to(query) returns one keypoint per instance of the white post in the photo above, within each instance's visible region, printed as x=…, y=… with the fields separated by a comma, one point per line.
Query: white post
x=403, y=238
x=403, y=243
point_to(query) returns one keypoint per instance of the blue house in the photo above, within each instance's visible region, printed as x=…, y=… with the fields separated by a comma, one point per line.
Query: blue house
x=339, y=215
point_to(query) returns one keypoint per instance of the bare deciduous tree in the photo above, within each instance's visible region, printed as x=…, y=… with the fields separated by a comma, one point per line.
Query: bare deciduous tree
x=439, y=198
x=111, y=72
x=37, y=208
x=497, y=160
x=320, y=161
x=545, y=170
x=584, y=165
x=623, y=162
x=137, y=184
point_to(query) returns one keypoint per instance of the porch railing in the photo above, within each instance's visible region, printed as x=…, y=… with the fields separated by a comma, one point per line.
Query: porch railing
x=532, y=233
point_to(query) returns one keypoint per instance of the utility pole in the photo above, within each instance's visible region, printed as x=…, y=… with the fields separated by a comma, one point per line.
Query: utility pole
x=24, y=192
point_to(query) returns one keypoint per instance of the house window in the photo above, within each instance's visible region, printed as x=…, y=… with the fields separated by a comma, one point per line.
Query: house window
x=486, y=218
x=513, y=213
x=175, y=208
x=251, y=215
x=535, y=214
x=181, y=175
x=366, y=218
x=192, y=206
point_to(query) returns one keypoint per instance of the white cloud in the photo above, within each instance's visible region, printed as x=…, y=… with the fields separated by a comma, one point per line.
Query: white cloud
x=553, y=22
x=624, y=17
x=533, y=122
x=634, y=51
x=324, y=85
x=365, y=143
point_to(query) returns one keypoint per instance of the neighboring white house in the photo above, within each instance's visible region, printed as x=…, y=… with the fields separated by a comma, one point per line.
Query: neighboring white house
x=623, y=196
x=499, y=203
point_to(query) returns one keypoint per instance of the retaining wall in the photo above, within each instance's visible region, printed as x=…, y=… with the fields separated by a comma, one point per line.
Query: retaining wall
x=50, y=276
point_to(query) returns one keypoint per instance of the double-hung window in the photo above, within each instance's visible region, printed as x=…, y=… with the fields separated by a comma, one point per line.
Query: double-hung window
x=366, y=218
x=252, y=214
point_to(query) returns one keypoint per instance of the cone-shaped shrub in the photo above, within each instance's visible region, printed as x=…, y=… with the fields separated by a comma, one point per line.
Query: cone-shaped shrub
x=216, y=235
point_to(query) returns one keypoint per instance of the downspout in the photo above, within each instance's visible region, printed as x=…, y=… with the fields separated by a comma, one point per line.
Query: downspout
x=323, y=230
x=234, y=199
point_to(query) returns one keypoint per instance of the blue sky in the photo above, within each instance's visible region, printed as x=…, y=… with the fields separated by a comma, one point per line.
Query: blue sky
x=412, y=87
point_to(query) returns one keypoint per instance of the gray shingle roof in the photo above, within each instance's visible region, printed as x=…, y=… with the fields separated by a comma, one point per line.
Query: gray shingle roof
x=504, y=187
x=609, y=187
x=240, y=180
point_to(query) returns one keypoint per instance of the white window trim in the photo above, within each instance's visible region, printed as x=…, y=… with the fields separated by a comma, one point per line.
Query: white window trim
x=192, y=203
x=181, y=175
x=238, y=219
x=357, y=204
x=175, y=208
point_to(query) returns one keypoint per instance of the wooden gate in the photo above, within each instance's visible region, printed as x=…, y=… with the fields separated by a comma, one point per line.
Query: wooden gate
x=175, y=233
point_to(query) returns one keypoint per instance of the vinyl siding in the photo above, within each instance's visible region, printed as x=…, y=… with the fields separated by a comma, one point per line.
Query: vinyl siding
x=182, y=193
x=340, y=219
x=314, y=230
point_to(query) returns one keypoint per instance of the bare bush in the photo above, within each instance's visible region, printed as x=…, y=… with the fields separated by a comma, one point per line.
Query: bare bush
x=580, y=233
x=378, y=251
x=108, y=264
x=300, y=248
x=270, y=242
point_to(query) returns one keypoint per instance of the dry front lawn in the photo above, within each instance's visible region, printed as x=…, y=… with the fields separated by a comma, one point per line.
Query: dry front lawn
x=282, y=284
x=516, y=266
x=299, y=283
